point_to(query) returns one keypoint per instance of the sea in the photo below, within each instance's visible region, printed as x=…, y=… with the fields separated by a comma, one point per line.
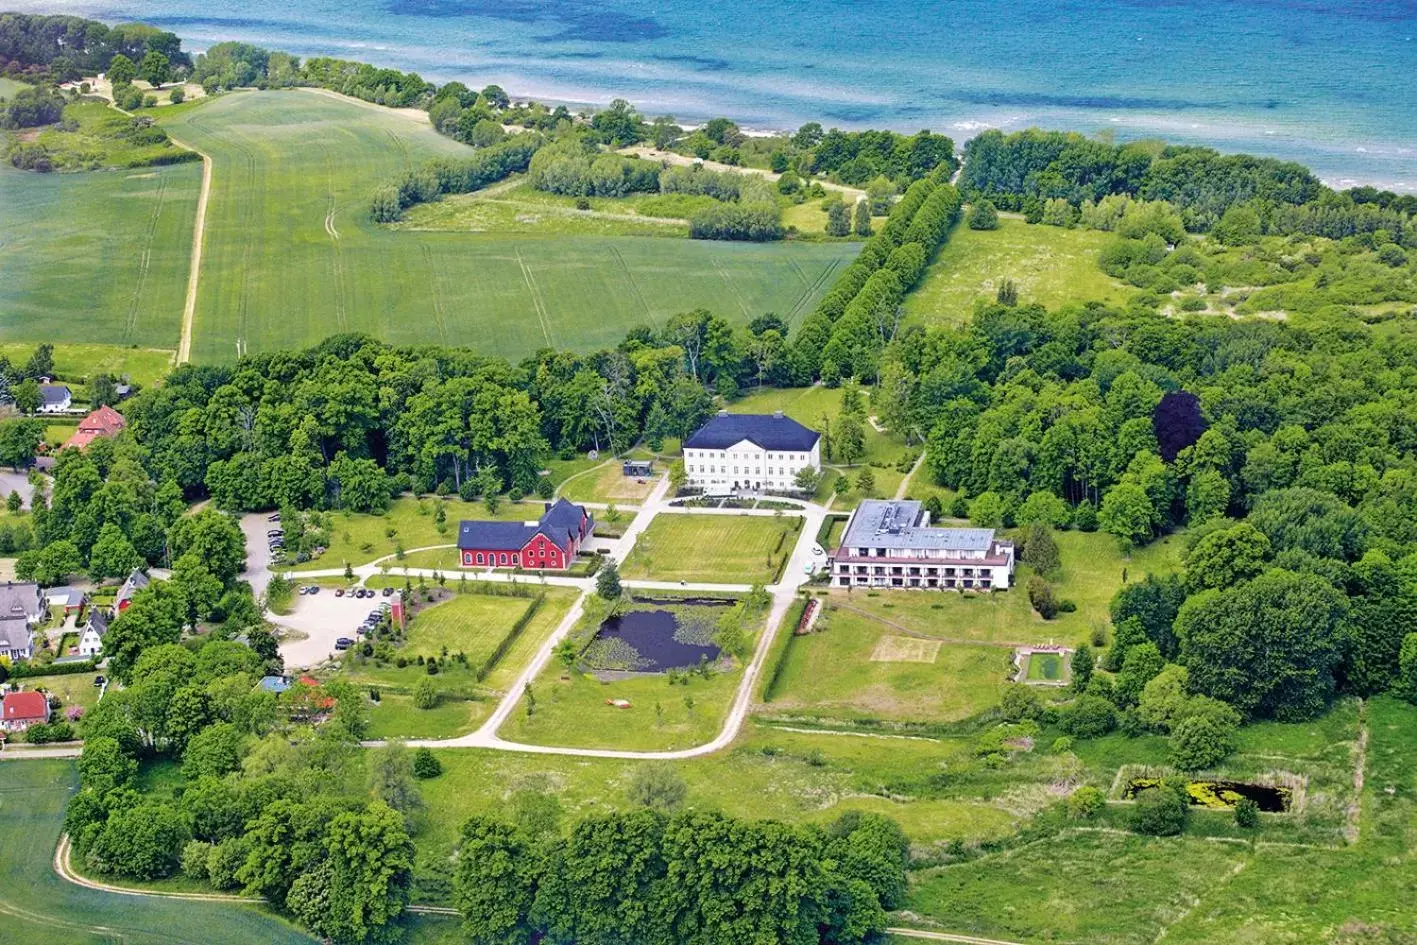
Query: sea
x=1329, y=83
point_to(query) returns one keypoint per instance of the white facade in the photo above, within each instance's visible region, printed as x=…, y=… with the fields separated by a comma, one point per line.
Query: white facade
x=747, y=466
x=90, y=643
x=890, y=543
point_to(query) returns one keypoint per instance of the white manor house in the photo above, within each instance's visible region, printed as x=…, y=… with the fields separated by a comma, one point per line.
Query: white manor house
x=891, y=543
x=750, y=452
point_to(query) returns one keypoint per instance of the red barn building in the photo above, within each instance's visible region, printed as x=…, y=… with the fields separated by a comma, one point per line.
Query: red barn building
x=549, y=543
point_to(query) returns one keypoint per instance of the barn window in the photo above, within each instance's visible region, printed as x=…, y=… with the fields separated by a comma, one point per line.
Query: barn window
x=479, y=557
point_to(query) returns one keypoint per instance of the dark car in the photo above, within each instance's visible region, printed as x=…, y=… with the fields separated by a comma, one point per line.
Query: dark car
x=343, y=643
x=339, y=592
x=314, y=588
x=98, y=680
x=388, y=592
x=273, y=518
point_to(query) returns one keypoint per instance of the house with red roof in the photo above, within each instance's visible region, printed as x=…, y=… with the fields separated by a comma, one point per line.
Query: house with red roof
x=105, y=421
x=549, y=543
x=20, y=710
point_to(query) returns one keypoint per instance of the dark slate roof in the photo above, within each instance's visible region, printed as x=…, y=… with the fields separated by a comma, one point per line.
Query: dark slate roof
x=98, y=620
x=495, y=536
x=562, y=518
x=769, y=431
x=20, y=601
x=54, y=394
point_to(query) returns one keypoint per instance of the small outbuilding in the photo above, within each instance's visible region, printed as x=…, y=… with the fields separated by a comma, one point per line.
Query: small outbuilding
x=637, y=468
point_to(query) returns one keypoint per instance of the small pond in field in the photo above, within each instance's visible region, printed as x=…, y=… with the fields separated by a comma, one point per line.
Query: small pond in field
x=652, y=641
x=1223, y=795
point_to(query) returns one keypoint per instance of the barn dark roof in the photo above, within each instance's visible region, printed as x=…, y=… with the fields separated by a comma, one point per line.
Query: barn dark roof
x=561, y=520
x=495, y=536
x=769, y=431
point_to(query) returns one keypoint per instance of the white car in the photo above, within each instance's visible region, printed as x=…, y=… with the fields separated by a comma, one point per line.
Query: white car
x=818, y=551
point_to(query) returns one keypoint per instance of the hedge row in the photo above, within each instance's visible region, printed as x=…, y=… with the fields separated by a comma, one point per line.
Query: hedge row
x=445, y=176
x=510, y=638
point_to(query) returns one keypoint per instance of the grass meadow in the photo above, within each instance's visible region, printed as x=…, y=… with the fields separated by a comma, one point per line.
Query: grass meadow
x=101, y=255
x=473, y=624
x=1050, y=265
x=722, y=549
x=852, y=667
x=606, y=483
x=40, y=907
x=291, y=255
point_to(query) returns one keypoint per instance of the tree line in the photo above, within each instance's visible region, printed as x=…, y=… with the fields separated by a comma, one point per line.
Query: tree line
x=54, y=49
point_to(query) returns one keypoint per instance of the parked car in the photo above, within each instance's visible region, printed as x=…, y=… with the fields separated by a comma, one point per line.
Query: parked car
x=314, y=588
x=274, y=533
x=302, y=591
x=388, y=592
x=339, y=592
x=344, y=643
x=273, y=518
x=98, y=680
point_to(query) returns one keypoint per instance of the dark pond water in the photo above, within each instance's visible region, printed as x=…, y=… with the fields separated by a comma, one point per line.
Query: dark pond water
x=650, y=633
x=1224, y=794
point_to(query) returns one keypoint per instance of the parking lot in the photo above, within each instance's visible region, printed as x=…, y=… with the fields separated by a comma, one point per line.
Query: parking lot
x=323, y=618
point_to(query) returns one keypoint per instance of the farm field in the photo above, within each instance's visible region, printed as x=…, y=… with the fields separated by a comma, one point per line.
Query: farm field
x=291, y=255
x=723, y=549
x=96, y=255
x=516, y=207
x=852, y=667
x=1048, y=264
x=40, y=907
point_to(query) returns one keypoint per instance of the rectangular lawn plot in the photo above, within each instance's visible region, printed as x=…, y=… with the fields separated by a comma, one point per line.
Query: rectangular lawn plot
x=722, y=549
x=469, y=623
x=894, y=649
x=852, y=667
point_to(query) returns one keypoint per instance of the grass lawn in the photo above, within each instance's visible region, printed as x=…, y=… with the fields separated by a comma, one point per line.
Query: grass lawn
x=722, y=549
x=72, y=688
x=818, y=406
x=8, y=87
x=468, y=623
x=102, y=141
x=525, y=210
x=852, y=667
x=394, y=716
x=357, y=538
x=292, y=256
x=41, y=907
x=1091, y=574
x=607, y=483
x=97, y=255
x=1049, y=265
x=810, y=217
x=75, y=363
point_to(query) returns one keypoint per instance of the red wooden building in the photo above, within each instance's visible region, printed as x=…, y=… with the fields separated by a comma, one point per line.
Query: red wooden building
x=550, y=543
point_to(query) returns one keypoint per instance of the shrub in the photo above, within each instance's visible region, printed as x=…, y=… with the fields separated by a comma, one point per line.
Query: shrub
x=658, y=787
x=194, y=859
x=1088, y=716
x=426, y=764
x=1040, y=596
x=1247, y=813
x=177, y=96
x=1086, y=803
x=1203, y=740
x=1019, y=702
x=983, y=216
x=1159, y=812
x=425, y=694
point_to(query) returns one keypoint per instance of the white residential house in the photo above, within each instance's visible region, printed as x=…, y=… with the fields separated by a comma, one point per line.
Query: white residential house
x=890, y=543
x=91, y=640
x=748, y=452
x=54, y=398
x=21, y=610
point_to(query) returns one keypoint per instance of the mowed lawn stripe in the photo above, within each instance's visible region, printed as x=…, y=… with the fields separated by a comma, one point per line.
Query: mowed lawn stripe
x=720, y=549
x=280, y=271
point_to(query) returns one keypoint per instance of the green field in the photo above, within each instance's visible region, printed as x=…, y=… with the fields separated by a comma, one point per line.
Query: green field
x=8, y=87
x=1050, y=265
x=75, y=362
x=96, y=256
x=469, y=623
x=291, y=255
x=38, y=906
x=607, y=483
x=853, y=667
x=102, y=139
x=720, y=549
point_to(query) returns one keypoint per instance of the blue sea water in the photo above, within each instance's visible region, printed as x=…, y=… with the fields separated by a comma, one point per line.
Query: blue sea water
x=1331, y=83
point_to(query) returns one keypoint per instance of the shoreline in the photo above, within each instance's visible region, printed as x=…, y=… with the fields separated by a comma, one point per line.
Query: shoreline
x=695, y=96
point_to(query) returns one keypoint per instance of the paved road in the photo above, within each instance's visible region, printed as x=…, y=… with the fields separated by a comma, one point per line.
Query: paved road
x=795, y=574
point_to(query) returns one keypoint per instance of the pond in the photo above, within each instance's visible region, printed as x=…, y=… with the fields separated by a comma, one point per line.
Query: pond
x=1223, y=795
x=686, y=601
x=651, y=641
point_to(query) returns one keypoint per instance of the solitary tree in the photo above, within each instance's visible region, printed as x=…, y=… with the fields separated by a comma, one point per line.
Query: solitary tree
x=983, y=216
x=607, y=582
x=862, y=224
x=121, y=70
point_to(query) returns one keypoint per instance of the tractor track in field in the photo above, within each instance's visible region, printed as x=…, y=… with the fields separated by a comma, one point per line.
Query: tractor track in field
x=634, y=286
x=439, y=316
x=732, y=286
x=536, y=300
x=822, y=278
x=336, y=255
x=145, y=260
x=194, y=263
